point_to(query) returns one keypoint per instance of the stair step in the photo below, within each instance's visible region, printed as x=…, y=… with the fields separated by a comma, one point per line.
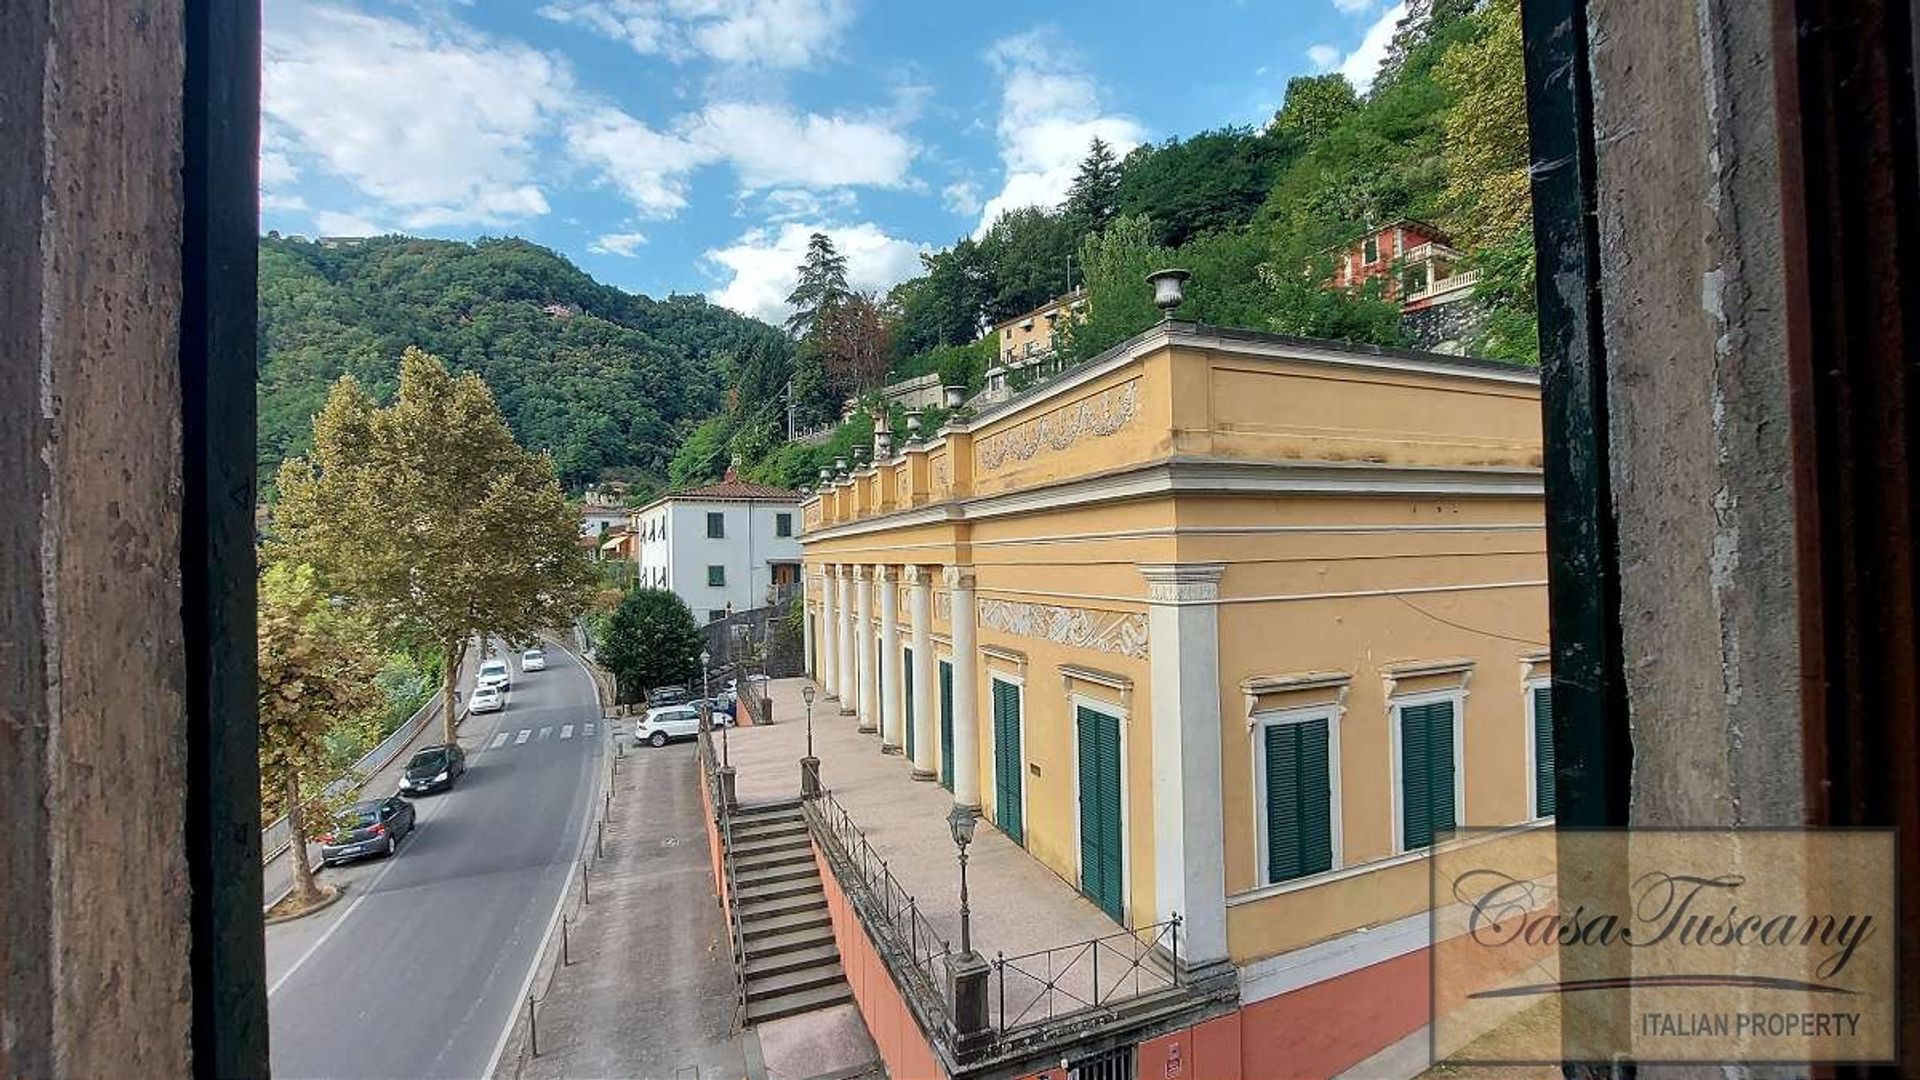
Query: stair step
x=793, y=982
x=778, y=845
x=811, y=937
x=773, y=890
x=748, y=833
x=777, y=861
x=752, y=910
x=776, y=808
x=759, y=930
x=761, y=966
x=759, y=1012
x=764, y=873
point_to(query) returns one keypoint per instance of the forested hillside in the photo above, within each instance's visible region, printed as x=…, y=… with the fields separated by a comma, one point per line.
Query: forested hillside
x=1257, y=216
x=606, y=381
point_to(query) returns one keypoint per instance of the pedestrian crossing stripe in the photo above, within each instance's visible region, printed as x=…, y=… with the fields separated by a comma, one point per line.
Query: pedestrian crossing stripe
x=524, y=732
x=587, y=730
x=546, y=731
x=498, y=741
x=566, y=731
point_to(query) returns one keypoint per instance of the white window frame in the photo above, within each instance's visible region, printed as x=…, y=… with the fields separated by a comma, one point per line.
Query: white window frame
x=1075, y=702
x=1528, y=688
x=993, y=746
x=1457, y=695
x=1257, y=738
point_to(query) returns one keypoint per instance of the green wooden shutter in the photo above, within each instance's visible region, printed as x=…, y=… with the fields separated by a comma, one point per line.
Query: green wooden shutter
x=1006, y=760
x=1299, y=800
x=1100, y=834
x=1543, y=802
x=1426, y=769
x=906, y=695
x=946, y=724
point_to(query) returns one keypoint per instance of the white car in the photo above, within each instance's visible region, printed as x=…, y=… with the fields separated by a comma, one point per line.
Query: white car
x=493, y=673
x=666, y=723
x=487, y=699
x=533, y=660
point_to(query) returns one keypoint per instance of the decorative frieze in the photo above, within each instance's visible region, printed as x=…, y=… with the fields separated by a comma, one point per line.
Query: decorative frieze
x=1183, y=583
x=943, y=606
x=1095, y=416
x=1122, y=633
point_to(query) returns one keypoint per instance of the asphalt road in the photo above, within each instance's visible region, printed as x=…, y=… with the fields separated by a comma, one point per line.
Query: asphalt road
x=417, y=971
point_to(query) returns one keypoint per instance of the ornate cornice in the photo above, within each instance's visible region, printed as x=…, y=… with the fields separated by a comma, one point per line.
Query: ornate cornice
x=1183, y=583
x=1094, y=416
x=1123, y=633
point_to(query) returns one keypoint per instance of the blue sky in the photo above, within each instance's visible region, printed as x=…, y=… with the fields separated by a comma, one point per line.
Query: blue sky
x=692, y=145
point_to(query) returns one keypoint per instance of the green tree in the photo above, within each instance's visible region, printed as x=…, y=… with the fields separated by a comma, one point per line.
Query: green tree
x=702, y=455
x=431, y=518
x=317, y=669
x=1027, y=255
x=822, y=284
x=1094, y=196
x=857, y=343
x=1313, y=106
x=1214, y=181
x=651, y=640
x=943, y=305
x=1484, y=146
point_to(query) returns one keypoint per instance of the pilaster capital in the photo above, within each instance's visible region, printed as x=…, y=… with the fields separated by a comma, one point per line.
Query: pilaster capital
x=886, y=574
x=1182, y=583
x=958, y=577
x=917, y=576
x=860, y=572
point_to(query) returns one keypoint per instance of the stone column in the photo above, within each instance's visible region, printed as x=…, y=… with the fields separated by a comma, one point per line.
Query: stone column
x=1183, y=643
x=863, y=667
x=889, y=674
x=829, y=633
x=926, y=702
x=844, y=681
x=806, y=634
x=966, y=676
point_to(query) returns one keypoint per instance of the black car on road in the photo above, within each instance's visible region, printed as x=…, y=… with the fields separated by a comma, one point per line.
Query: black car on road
x=433, y=768
x=372, y=827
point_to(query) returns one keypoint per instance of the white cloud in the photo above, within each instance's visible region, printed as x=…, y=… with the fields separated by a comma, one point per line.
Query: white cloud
x=1323, y=56
x=764, y=33
x=769, y=146
x=1363, y=63
x=626, y=244
x=797, y=204
x=1050, y=110
x=961, y=197
x=335, y=223
x=1353, y=7
x=772, y=146
x=437, y=123
x=762, y=263
x=289, y=203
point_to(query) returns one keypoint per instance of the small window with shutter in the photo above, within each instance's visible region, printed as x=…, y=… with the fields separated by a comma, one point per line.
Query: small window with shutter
x=1426, y=730
x=1540, y=707
x=1295, y=770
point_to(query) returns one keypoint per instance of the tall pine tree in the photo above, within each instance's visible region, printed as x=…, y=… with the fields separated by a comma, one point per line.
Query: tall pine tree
x=1095, y=195
x=822, y=285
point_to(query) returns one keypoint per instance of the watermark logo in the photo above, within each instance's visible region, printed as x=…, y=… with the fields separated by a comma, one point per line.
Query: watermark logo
x=1664, y=945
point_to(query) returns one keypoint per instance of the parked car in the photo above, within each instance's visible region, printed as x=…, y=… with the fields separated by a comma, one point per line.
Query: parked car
x=533, y=660
x=373, y=827
x=666, y=723
x=487, y=699
x=724, y=709
x=433, y=768
x=667, y=695
x=493, y=673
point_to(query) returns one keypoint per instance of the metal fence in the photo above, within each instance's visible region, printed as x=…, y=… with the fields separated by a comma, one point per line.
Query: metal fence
x=1041, y=987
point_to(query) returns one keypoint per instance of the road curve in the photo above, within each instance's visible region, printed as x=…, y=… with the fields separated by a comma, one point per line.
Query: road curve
x=418, y=969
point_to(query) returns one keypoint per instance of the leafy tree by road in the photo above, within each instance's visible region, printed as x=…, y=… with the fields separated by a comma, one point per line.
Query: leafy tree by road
x=317, y=669
x=650, y=640
x=431, y=518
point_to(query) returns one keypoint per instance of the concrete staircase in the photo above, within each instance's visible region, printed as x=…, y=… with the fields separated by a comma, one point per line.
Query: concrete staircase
x=792, y=965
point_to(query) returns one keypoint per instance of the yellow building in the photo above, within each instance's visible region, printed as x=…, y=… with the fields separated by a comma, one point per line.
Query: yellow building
x=1220, y=624
x=1029, y=337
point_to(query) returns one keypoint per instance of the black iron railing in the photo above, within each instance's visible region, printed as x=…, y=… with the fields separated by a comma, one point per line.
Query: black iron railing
x=1088, y=976
x=723, y=819
x=902, y=929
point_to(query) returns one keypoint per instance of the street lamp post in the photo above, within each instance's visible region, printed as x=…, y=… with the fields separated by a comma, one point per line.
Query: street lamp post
x=809, y=765
x=706, y=711
x=968, y=970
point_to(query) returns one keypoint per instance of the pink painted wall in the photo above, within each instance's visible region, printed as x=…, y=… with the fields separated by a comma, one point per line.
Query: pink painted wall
x=904, y=1048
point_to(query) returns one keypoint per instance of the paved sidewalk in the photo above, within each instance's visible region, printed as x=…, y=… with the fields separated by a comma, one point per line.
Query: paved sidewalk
x=650, y=990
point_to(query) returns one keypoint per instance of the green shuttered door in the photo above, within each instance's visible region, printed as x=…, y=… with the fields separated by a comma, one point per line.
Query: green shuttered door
x=1543, y=799
x=1006, y=760
x=1100, y=841
x=946, y=725
x=1426, y=770
x=1299, y=800
x=906, y=695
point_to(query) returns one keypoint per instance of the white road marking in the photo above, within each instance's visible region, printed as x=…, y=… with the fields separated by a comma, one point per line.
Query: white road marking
x=546, y=731
x=524, y=732
x=588, y=731
x=566, y=731
x=499, y=741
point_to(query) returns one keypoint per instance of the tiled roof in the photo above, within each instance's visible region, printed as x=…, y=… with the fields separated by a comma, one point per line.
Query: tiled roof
x=732, y=487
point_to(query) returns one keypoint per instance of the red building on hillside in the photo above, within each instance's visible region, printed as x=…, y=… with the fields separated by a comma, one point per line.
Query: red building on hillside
x=1418, y=261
